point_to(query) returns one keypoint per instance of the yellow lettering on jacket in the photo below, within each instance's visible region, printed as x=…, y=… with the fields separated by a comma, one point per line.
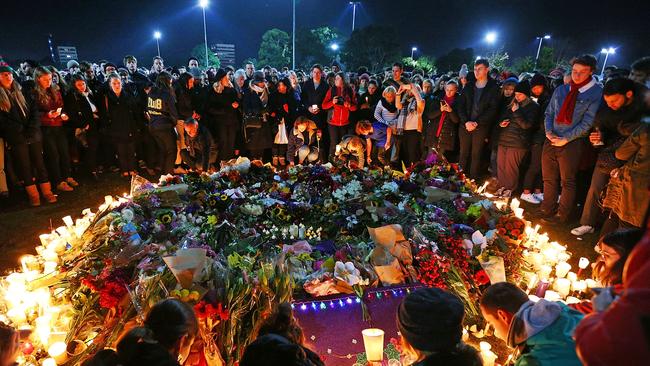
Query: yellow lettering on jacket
x=154, y=103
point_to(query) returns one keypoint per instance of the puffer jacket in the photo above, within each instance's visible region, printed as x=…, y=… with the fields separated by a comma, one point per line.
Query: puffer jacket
x=517, y=133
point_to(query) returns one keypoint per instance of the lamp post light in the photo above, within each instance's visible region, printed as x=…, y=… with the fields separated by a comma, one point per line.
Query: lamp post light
x=607, y=52
x=354, y=12
x=204, y=4
x=293, y=35
x=157, y=36
x=334, y=46
x=413, y=49
x=539, y=48
x=490, y=37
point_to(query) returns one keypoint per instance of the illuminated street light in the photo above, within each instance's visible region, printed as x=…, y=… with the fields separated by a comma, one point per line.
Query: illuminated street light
x=607, y=52
x=354, y=11
x=204, y=4
x=413, y=49
x=539, y=48
x=157, y=36
x=334, y=46
x=491, y=37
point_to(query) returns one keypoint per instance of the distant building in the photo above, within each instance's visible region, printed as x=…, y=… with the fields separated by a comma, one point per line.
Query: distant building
x=225, y=52
x=66, y=53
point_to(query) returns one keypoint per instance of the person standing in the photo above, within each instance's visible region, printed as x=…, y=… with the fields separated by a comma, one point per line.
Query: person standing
x=479, y=106
x=48, y=102
x=222, y=113
x=257, y=127
x=163, y=117
x=411, y=107
x=120, y=116
x=514, y=137
x=284, y=109
x=568, y=119
x=442, y=131
x=342, y=100
x=20, y=129
x=615, y=121
x=82, y=107
x=313, y=95
x=532, y=187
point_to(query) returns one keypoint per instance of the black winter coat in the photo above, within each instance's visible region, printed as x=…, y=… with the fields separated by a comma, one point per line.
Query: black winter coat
x=311, y=96
x=449, y=132
x=277, y=103
x=218, y=108
x=488, y=106
x=120, y=116
x=257, y=138
x=20, y=127
x=184, y=103
x=161, y=107
x=517, y=133
x=538, y=132
x=80, y=111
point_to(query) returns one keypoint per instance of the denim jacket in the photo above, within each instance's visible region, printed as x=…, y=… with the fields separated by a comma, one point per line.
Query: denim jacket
x=589, y=99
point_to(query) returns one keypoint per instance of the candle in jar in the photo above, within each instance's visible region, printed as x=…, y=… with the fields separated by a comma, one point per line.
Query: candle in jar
x=487, y=355
x=563, y=287
x=562, y=269
x=58, y=351
x=579, y=286
x=373, y=341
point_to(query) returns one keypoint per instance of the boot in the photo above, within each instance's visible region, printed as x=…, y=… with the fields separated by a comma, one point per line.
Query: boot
x=46, y=191
x=283, y=161
x=32, y=194
x=275, y=161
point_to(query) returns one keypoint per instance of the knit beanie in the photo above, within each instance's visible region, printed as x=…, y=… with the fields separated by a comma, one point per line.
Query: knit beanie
x=6, y=68
x=463, y=71
x=511, y=80
x=431, y=319
x=523, y=87
x=537, y=79
x=72, y=63
x=272, y=349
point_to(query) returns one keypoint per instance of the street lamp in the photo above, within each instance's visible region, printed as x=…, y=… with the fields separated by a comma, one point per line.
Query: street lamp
x=413, y=49
x=539, y=48
x=334, y=46
x=204, y=4
x=354, y=11
x=293, y=35
x=607, y=52
x=490, y=37
x=157, y=36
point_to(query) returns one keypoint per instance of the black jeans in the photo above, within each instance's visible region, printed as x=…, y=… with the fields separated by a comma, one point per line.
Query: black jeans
x=336, y=134
x=472, y=145
x=533, y=180
x=146, y=149
x=28, y=163
x=508, y=162
x=57, y=155
x=165, y=140
x=411, y=150
x=126, y=155
x=560, y=166
x=592, y=209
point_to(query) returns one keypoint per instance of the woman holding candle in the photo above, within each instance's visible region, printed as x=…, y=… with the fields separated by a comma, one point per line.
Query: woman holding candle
x=430, y=321
x=540, y=331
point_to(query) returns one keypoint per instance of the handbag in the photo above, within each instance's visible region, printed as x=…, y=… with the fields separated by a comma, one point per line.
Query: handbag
x=253, y=120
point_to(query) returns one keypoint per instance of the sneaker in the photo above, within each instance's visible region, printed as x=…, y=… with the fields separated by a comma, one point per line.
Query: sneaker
x=539, y=196
x=506, y=193
x=530, y=198
x=554, y=220
x=63, y=186
x=499, y=192
x=71, y=182
x=582, y=230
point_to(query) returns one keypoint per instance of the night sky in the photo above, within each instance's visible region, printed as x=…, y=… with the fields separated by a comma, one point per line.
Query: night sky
x=111, y=29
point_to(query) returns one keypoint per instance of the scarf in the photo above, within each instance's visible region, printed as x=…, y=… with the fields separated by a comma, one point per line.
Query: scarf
x=565, y=116
x=389, y=106
x=449, y=102
x=262, y=93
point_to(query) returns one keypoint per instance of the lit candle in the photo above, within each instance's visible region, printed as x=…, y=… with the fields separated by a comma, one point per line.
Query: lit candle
x=108, y=200
x=514, y=204
x=58, y=352
x=68, y=221
x=49, y=362
x=579, y=286
x=486, y=354
x=17, y=315
x=29, y=263
x=563, y=287
x=562, y=269
x=44, y=238
x=572, y=276
x=545, y=271
x=373, y=341
x=49, y=267
x=519, y=212
x=582, y=264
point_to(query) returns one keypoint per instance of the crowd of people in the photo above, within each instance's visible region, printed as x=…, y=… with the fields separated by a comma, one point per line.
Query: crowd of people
x=543, y=133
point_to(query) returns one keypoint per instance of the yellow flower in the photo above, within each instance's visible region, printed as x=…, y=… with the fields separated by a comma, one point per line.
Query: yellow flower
x=166, y=219
x=212, y=219
x=224, y=197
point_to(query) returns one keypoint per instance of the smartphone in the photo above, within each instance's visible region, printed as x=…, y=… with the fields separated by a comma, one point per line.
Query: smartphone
x=58, y=110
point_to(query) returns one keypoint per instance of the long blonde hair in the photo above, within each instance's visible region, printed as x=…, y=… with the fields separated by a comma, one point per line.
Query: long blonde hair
x=43, y=95
x=12, y=93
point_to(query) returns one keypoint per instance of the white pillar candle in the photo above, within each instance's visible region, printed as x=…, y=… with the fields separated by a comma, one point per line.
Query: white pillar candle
x=563, y=287
x=572, y=276
x=487, y=355
x=545, y=272
x=562, y=269
x=519, y=212
x=44, y=238
x=583, y=263
x=67, y=220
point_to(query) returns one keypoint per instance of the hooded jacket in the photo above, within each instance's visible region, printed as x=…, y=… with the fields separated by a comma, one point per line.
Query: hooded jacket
x=542, y=333
x=161, y=107
x=517, y=133
x=297, y=140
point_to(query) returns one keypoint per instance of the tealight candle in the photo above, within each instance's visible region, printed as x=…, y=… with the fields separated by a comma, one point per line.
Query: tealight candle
x=58, y=351
x=486, y=354
x=572, y=276
x=545, y=271
x=49, y=362
x=562, y=269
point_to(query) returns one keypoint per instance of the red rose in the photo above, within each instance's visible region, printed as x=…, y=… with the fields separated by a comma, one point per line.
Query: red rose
x=481, y=278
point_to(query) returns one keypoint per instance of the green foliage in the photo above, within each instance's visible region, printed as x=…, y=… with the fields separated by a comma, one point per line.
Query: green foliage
x=251, y=60
x=374, y=47
x=498, y=59
x=523, y=64
x=312, y=45
x=275, y=49
x=454, y=59
x=424, y=63
x=199, y=53
x=546, y=61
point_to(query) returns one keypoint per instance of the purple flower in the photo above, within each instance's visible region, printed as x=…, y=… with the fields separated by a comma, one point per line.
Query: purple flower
x=431, y=159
